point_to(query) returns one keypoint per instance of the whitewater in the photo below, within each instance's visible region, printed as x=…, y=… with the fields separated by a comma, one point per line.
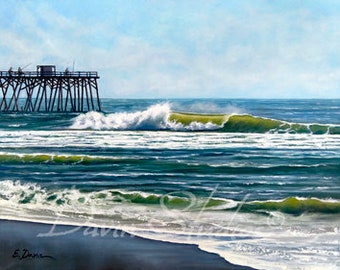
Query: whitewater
x=156, y=117
x=255, y=181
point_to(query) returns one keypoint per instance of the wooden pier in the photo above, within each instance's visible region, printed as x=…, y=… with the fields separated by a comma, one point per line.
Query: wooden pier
x=48, y=90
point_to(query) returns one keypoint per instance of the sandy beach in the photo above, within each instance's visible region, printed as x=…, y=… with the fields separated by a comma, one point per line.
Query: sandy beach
x=28, y=245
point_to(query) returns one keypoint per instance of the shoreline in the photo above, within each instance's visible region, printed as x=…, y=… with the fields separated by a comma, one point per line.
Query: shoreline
x=32, y=245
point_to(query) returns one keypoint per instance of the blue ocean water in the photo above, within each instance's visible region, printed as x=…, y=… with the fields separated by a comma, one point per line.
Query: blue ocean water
x=260, y=188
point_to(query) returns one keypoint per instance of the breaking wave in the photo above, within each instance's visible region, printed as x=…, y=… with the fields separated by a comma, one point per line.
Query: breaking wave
x=17, y=193
x=156, y=117
x=160, y=117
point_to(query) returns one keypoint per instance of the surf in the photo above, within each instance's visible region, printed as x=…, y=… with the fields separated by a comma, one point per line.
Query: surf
x=156, y=117
x=30, y=193
x=162, y=117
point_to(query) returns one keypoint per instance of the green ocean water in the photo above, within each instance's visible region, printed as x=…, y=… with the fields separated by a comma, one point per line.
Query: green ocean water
x=241, y=178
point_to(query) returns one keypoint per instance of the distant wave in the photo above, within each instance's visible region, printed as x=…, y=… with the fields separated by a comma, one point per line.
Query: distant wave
x=160, y=117
x=52, y=159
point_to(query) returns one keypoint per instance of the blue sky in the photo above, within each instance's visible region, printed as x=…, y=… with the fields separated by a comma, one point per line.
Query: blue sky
x=182, y=48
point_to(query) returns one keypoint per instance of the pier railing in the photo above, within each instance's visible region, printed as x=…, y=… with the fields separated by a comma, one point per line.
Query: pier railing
x=33, y=74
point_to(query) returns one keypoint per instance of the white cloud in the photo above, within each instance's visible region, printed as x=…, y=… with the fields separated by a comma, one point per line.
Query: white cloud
x=286, y=54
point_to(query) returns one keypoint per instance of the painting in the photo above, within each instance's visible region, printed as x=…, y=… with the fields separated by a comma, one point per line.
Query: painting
x=169, y=134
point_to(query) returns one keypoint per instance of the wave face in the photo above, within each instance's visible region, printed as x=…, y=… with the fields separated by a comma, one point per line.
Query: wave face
x=161, y=117
x=294, y=206
x=252, y=124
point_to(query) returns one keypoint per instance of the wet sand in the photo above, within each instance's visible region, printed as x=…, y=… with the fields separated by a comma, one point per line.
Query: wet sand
x=28, y=245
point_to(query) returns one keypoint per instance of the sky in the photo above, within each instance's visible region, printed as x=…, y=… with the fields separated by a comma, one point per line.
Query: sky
x=181, y=48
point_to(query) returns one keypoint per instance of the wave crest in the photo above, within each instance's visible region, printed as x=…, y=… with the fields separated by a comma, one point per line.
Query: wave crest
x=154, y=118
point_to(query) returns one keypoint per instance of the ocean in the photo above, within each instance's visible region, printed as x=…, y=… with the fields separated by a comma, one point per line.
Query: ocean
x=255, y=181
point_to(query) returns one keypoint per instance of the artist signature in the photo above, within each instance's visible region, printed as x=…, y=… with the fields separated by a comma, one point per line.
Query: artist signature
x=22, y=254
